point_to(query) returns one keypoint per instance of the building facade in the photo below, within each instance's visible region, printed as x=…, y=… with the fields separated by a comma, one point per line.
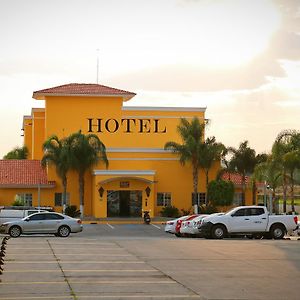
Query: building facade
x=141, y=175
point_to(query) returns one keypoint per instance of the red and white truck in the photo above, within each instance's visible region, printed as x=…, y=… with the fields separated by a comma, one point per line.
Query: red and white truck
x=253, y=221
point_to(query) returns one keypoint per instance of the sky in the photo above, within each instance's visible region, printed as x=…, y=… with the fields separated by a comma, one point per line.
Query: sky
x=238, y=58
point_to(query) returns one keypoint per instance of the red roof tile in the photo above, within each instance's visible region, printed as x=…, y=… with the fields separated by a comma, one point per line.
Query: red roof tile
x=22, y=173
x=78, y=89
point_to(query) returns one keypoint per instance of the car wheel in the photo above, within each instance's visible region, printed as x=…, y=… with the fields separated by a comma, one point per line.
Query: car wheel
x=277, y=232
x=15, y=231
x=218, y=232
x=64, y=231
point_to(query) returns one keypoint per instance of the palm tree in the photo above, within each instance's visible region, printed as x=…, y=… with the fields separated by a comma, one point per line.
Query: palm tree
x=259, y=159
x=86, y=151
x=287, y=151
x=210, y=153
x=243, y=162
x=57, y=153
x=268, y=171
x=17, y=153
x=192, y=135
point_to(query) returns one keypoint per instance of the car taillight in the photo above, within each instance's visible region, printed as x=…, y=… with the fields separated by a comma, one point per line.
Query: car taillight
x=296, y=219
x=79, y=221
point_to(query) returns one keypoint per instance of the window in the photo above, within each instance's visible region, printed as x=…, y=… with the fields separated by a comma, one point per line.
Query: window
x=26, y=199
x=58, y=199
x=256, y=211
x=37, y=217
x=53, y=217
x=199, y=200
x=240, y=213
x=238, y=199
x=163, y=199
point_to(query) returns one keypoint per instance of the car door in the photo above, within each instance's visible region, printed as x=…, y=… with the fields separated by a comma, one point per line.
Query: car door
x=34, y=224
x=52, y=222
x=250, y=219
x=258, y=219
x=238, y=221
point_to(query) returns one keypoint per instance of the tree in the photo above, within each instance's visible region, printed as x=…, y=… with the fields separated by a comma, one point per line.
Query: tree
x=270, y=172
x=57, y=153
x=243, y=162
x=286, y=149
x=220, y=192
x=259, y=158
x=17, y=153
x=210, y=153
x=85, y=152
x=192, y=134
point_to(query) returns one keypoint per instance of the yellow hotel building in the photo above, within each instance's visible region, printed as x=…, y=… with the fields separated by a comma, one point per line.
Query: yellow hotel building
x=141, y=175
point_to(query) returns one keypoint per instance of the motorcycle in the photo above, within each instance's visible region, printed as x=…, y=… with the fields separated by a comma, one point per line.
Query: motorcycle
x=147, y=218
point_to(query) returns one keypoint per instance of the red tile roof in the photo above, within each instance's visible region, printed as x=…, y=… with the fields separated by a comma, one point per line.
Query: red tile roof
x=22, y=173
x=81, y=89
x=235, y=178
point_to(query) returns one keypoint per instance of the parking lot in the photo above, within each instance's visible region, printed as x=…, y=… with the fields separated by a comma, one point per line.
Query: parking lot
x=137, y=261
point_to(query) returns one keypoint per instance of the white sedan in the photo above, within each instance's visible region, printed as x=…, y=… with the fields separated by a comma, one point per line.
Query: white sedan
x=43, y=222
x=190, y=227
x=171, y=225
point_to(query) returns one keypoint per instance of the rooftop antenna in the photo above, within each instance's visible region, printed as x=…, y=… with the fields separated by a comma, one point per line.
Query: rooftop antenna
x=97, y=65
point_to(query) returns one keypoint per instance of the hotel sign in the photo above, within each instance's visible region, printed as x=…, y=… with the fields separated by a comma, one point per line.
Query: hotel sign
x=125, y=125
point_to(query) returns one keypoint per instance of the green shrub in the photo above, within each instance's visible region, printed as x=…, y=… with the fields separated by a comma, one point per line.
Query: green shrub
x=170, y=211
x=220, y=192
x=72, y=211
x=208, y=209
x=185, y=212
x=18, y=202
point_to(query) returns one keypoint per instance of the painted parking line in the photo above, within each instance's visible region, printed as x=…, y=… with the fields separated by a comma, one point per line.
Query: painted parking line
x=111, y=282
x=155, y=226
x=93, y=271
x=166, y=296
x=70, y=254
x=112, y=227
x=76, y=262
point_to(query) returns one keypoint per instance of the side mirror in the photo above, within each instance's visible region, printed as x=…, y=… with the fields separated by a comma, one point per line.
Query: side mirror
x=27, y=220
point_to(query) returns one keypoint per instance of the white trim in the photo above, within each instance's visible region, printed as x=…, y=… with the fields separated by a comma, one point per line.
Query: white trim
x=160, y=117
x=37, y=109
x=124, y=172
x=158, y=108
x=136, y=150
x=28, y=186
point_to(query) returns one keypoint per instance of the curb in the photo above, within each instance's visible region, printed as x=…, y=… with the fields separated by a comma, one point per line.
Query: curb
x=121, y=222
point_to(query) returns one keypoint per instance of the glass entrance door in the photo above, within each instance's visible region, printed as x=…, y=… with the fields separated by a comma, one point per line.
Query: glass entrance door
x=124, y=203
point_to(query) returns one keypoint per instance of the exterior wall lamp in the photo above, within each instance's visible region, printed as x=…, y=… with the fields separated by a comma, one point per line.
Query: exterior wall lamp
x=101, y=191
x=148, y=191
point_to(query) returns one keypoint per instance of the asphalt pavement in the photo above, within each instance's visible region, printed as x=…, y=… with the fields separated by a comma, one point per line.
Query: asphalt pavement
x=137, y=261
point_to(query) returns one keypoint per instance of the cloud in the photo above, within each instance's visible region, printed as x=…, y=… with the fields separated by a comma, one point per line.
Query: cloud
x=198, y=78
x=284, y=45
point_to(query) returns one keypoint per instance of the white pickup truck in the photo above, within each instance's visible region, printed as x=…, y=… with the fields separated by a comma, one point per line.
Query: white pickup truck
x=253, y=221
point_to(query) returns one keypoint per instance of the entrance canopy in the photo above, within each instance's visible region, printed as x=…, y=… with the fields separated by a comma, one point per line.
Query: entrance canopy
x=123, y=192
